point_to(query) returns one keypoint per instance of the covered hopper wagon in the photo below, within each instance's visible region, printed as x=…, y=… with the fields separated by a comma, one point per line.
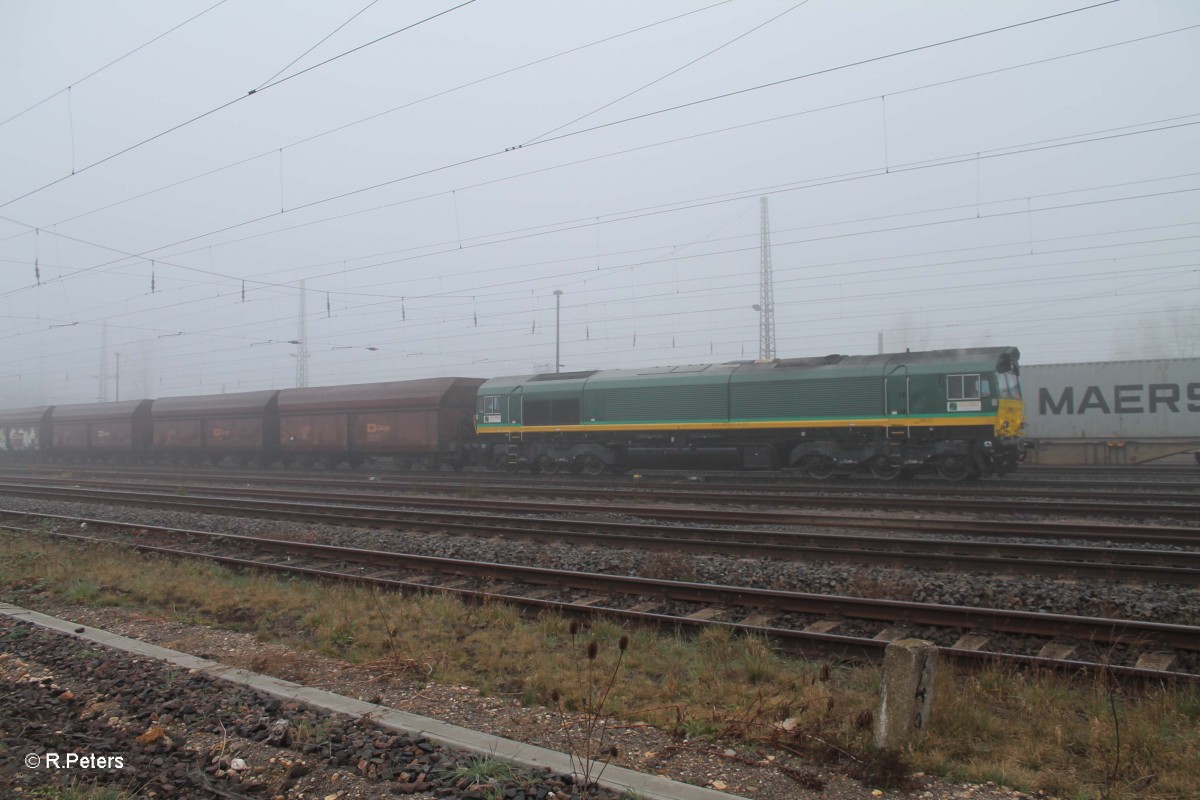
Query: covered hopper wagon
x=100, y=432
x=427, y=422
x=242, y=426
x=24, y=432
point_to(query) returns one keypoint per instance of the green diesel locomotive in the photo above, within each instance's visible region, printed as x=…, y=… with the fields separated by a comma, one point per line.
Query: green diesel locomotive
x=954, y=412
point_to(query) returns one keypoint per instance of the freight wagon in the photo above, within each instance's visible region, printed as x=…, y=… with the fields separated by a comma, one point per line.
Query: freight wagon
x=1115, y=412
x=426, y=422
x=100, y=431
x=956, y=412
x=243, y=426
x=24, y=432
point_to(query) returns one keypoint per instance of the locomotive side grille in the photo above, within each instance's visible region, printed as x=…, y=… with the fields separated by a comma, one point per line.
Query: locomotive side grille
x=812, y=398
x=651, y=403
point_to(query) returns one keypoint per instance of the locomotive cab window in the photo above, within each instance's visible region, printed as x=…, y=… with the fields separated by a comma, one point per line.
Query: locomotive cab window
x=491, y=409
x=962, y=387
x=1010, y=387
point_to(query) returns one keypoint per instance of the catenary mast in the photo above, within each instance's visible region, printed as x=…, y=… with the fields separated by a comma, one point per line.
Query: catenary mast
x=302, y=344
x=766, y=292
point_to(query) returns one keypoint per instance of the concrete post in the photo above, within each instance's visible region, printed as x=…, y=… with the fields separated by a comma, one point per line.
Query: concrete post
x=909, y=668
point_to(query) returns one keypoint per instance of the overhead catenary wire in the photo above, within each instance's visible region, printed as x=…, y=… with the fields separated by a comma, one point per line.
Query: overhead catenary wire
x=661, y=78
x=324, y=39
x=438, y=315
x=114, y=62
x=229, y=103
x=474, y=159
x=873, y=273
x=409, y=104
x=942, y=161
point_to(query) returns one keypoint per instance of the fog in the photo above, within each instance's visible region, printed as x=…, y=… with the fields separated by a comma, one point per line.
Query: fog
x=938, y=174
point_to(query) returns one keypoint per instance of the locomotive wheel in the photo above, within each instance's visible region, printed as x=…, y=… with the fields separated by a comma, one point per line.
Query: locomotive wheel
x=954, y=468
x=885, y=470
x=821, y=468
x=591, y=465
x=549, y=465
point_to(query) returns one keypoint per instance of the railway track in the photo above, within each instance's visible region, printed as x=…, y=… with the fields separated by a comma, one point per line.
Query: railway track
x=376, y=510
x=1165, y=487
x=848, y=626
x=1184, y=506
x=1174, y=566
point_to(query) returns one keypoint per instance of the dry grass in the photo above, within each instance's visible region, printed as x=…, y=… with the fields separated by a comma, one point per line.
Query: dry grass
x=1027, y=730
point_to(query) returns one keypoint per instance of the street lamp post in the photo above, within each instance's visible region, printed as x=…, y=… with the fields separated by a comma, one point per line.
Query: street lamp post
x=557, y=310
x=118, y=377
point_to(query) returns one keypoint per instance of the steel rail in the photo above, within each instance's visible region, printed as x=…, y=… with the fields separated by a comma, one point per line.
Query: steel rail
x=1091, y=629
x=403, y=506
x=1058, y=561
x=1180, y=505
x=771, y=484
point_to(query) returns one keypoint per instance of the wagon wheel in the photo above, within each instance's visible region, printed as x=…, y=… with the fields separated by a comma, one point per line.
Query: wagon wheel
x=885, y=470
x=821, y=467
x=591, y=465
x=548, y=465
x=954, y=468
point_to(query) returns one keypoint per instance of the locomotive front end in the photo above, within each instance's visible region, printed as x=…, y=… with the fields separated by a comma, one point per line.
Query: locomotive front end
x=1006, y=449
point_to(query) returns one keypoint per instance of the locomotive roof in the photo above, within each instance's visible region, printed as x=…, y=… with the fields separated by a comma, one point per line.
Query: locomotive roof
x=393, y=395
x=975, y=359
x=124, y=411
x=24, y=416
x=228, y=404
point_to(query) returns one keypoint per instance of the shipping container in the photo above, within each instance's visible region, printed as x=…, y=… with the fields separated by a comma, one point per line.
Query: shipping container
x=1111, y=412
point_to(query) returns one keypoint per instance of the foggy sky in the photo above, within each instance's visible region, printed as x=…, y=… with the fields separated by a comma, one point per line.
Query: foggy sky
x=948, y=174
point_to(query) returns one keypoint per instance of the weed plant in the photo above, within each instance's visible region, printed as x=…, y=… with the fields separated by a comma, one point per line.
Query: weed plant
x=595, y=679
x=1073, y=737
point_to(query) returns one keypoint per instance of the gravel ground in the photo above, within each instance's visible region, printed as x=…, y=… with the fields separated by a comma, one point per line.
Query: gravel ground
x=247, y=720
x=184, y=735
x=1154, y=602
